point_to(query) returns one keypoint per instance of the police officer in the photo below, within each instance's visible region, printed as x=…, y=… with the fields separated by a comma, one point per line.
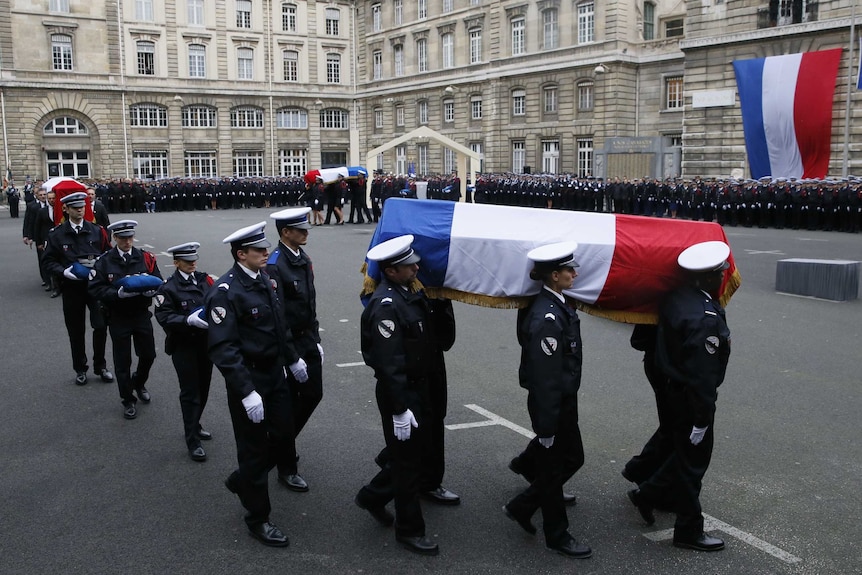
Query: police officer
x=125, y=282
x=549, y=332
x=396, y=343
x=251, y=345
x=178, y=308
x=692, y=350
x=70, y=255
x=292, y=273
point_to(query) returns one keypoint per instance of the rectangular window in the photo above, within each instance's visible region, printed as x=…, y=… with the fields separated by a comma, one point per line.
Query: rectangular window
x=399, y=12
x=550, y=156
x=447, y=6
x=58, y=6
x=292, y=162
x=550, y=100
x=551, y=37
x=376, y=65
x=448, y=43
x=586, y=22
x=292, y=119
x=334, y=119
x=519, y=103
x=401, y=159
x=449, y=160
x=674, y=28
x=399, y=60
x=519, y=155
x=475, y=46
x=379, y=162
x=288, y=18
x=376, y=18
x=585, y=157
x=333, y=15
x=518, y=30
x=248, y=164
x=148, y=116
x=243, y=13
x=649, y=21
x=333, y=69
x=476, y=108
x=146, y=58
x=422, y=9
x=479, y=148
x=200, y=165
x=246, y=117
x=199, y=117
x=378, y=118
x=196, y=12
x=197, y=61
x=71, y=164
x=475, y=2
x=673, y=88
x=423, y=112
x=245, y=63
x=144, y=10
x=422, y=55
x=150, y=165
x=61, y=52
x=291, y=66
x=448, y=110
x=585, y=96
x=422, y=154
x=399, y=116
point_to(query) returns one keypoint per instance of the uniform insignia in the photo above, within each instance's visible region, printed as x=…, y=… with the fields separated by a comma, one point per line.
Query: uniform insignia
x=549, y=345
x=550, y=316
x=92, y=274
x=218, y=314
x=224, y=286
x=386, y=327
x=711, y=345
x=274, y=283
x=386, y=300
x=160, y=299
x=255, y=312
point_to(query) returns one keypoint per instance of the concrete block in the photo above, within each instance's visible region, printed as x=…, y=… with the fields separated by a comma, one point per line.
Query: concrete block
x=836, y=280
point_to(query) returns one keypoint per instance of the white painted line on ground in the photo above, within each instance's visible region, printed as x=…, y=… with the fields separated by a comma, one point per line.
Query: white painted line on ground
x=712, y=524
x=769, y=252
x=492, y=419
x=353, y=364
x=148, y=246
x=811, y=240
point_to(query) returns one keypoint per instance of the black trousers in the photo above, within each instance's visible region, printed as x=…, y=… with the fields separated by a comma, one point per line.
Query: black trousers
x=359, y=208
x=660, y=446
x=434, y=457
x=262, y=446
x=682, y=473
x=126, y=331
x=76, y=301
x=194, y=373
x=552, y=466
x=307, y=395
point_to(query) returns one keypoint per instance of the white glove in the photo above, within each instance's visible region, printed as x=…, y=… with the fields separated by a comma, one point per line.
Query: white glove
x=253, y=405
x=320, y=350
x=194, y=320
x=697, y=434
x=546, y=442
x=149, y=293
x=67, y=273
x=403, y=424
x=299, y=370
x=124, y=294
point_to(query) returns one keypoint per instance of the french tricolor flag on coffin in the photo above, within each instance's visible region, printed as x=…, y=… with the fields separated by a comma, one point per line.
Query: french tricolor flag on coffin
x=787, y=112
x=477, y=253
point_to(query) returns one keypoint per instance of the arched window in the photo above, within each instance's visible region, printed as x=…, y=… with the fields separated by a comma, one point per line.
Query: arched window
x=65, y=126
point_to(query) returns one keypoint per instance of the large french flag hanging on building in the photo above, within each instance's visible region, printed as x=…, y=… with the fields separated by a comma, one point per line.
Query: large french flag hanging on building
x=787, y=112
x=477, y=253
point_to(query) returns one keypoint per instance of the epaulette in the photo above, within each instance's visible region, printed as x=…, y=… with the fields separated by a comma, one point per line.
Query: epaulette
x=550, y=317
x=386, y=301
x=273, y=258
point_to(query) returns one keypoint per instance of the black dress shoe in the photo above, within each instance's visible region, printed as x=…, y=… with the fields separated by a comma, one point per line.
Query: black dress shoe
x=129, y=411
x=525, y=524
x=570, y=499
x=198, y=454
x=442, y=496
x=293, y=482
x=381, y=514
x=143, y=394
x=81, y=378
x=572, y=548
x=55, y=293
x=703, y=543
x=421, y=544
x=204, y=434
x=517, y=468
x=644, y=508
x=269, y=534
x=106, y=375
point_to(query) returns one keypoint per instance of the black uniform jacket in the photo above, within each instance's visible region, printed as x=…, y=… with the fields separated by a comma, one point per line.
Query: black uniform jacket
x=111, y=267
x=174, y=301
x=549, y=332
x=294, y=283
x=693, y=348
x=65, y=247
x=246, y=328
x=396, y=343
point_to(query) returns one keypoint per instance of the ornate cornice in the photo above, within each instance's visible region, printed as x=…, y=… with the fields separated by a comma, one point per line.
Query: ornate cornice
x=767, y=33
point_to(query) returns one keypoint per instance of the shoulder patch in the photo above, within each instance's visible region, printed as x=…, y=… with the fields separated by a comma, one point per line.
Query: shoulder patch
x=712, y=343
x=224, y=286
x=218, y=314
x=159, y=300
x=386, y=327
x=549, y=345
x=550, y=317
x=386, y=301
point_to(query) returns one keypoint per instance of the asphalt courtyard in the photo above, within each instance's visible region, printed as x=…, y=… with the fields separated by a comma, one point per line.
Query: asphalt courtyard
x=84, y=491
